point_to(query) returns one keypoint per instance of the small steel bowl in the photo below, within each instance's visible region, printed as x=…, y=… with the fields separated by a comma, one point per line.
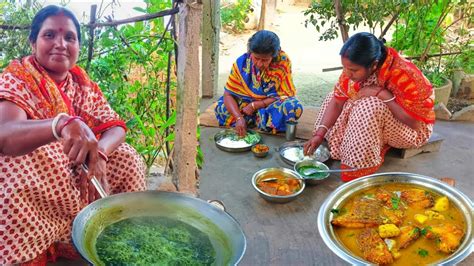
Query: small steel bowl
x=268, y=173
x=260, y=154
x=309, y=179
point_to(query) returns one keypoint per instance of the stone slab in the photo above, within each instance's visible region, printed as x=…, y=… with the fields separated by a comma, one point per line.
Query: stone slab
x=465, y=114
x=433, y=145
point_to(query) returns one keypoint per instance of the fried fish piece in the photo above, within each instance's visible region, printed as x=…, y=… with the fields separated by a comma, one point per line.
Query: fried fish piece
x=391, y=216
x=387, y=198
x=364, y=213
x=408, y=235
x=373, y=247
x=417, y=198
x=447, y=236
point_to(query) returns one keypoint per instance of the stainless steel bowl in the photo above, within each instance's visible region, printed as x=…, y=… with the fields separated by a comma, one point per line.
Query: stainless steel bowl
x=268, y=173
x=292, y=151
x=341, y=194
x=309, y=179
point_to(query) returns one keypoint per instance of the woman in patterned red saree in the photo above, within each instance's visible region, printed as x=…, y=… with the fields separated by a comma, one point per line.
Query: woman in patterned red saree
x=380, y=101
x=53, y=119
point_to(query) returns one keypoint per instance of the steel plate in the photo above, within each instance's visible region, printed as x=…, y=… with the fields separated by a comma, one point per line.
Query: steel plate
x=291, y=152
x=230, y=133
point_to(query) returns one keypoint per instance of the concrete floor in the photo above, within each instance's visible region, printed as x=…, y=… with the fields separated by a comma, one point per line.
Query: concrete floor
x=286, y=234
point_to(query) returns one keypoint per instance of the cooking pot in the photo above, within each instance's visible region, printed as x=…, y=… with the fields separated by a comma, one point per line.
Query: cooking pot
x=341, y=194
x=222, y=229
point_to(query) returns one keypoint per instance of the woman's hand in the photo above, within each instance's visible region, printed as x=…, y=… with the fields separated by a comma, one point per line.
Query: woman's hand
x=311, y=145
x=385, y=95
x=369, y=91
x=86, y=188
x=241, y=126
x=101, y=176
x=248, y=109
x=80, y=143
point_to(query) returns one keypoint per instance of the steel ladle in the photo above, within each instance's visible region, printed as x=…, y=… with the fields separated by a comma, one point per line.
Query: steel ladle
x=95, y=182
x=311, y=171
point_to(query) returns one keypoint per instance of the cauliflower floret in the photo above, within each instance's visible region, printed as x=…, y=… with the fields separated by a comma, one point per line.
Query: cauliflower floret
x=388, y=230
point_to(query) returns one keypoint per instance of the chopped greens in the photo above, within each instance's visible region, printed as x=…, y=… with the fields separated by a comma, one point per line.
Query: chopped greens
x=395, y=202
x=154, y=240
x=415, y=231
x=250, y=138
x=422, y=252
x=335, y=211
x=425, y=230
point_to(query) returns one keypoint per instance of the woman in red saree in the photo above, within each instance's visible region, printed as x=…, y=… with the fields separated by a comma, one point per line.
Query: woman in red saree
x=380, y=101
x=54, y=119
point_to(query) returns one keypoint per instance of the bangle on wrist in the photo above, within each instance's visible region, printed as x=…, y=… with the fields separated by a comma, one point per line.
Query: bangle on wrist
x=54, y=124
x=238, y=118
x=389, y=100
x=70, y=120
x=253, y=106
x=319, y=135
x=322, y=126
x=103, y=155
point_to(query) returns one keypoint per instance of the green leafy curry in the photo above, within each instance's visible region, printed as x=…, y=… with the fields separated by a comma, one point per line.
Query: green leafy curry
x=316, y=175
x=155, y=240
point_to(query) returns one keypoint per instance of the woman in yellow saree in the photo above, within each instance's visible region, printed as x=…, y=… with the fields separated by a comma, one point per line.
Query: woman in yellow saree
x=260, y=89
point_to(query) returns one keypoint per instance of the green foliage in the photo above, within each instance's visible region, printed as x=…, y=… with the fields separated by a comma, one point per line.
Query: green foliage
x=14, y=43
x=130, y=67
x=372, y=13
x=419, y=30
x=234, y=15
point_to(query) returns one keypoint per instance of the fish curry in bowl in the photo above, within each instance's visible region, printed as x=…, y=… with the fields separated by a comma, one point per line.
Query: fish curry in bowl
x=278, y=184
x=399, y=224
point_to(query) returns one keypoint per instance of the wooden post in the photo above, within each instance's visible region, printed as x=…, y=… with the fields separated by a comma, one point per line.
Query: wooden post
x=267, y=12
x=340, y=20
x=211, y=24
x=90, y=50
x=184, y=154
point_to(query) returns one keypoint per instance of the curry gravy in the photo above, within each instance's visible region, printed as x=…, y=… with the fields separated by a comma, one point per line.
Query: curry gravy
x=422, y=251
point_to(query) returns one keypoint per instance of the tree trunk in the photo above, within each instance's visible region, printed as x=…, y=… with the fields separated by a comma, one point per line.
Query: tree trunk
x=210, y=47
x=267, y=12
x=341, y=21
x=184, y=154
